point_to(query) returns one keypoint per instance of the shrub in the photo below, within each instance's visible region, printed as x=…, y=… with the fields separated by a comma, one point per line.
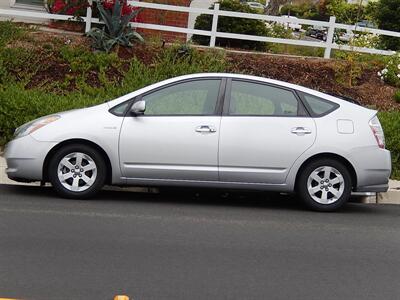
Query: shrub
x=174, y=62
x=387, y=14
x=397, y=96
x=126, y=9
x=391, y=125
x=9, y=31
x=345, y=12
x=82, y=60
x=19, y=63
x=303, y=11
x=232, y=25
x=391, y=73
x=350, y=72
x=18, y=106
x=296, y=50
x=279, y=31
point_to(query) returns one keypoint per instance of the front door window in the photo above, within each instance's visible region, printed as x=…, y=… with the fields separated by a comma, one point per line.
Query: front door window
x=193, y=98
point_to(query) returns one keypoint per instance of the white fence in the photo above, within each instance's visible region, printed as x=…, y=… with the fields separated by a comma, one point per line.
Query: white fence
x=328, y=45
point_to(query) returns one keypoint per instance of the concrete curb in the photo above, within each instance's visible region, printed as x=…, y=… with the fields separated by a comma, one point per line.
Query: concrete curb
x=390, y=197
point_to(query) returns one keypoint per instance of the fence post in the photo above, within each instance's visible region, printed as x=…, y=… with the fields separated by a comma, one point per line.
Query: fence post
x=329, y=37
x=214, y=25
x=88, y=16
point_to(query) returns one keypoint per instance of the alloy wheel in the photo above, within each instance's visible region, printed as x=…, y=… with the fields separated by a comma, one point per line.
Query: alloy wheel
x=77, y=172
x=325, y=185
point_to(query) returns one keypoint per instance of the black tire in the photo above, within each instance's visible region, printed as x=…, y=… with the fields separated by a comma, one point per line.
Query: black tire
x=98, y=182
x=302, y=185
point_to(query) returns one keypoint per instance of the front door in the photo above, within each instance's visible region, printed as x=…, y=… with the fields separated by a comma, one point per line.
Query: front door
x=177, y=136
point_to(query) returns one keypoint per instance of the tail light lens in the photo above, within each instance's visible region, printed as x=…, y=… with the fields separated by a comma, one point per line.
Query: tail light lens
x=377, y=131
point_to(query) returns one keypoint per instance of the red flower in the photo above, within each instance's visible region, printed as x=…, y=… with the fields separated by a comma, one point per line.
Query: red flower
x=62, y=6
x=126, y=8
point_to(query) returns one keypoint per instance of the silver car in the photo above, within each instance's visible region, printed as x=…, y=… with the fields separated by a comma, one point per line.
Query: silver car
x=209, y=130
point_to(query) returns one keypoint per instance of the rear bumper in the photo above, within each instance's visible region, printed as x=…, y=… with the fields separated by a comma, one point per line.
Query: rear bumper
x=25, y=157
x=373, y=168
x=380, y=188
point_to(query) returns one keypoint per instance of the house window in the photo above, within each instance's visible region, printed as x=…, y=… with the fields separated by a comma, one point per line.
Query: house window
x=30, y=2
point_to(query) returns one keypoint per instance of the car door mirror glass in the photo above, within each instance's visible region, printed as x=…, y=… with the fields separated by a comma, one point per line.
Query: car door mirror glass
x=138, y=108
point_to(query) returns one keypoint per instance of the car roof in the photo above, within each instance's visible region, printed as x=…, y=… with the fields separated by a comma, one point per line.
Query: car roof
x=266, y=80
x=337, y=99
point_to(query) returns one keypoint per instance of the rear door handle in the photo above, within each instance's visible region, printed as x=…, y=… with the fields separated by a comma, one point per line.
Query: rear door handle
x=205, y=129
x=301, y=130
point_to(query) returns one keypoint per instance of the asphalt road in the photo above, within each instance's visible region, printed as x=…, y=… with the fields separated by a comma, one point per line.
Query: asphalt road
x=185, y=246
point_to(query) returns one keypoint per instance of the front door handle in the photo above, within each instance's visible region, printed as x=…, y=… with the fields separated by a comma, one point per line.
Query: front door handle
x=205, y=129
x=301, y=130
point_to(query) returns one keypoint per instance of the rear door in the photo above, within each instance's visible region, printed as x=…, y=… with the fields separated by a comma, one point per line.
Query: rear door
x=264, y=129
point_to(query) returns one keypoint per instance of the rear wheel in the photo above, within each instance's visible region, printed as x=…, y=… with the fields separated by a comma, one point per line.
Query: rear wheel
x=324, y=185
x=77, y=171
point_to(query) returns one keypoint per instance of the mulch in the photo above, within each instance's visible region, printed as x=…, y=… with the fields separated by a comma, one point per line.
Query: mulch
x=318, y=74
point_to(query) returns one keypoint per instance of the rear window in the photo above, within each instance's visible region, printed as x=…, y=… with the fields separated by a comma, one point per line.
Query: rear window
x=318, y=107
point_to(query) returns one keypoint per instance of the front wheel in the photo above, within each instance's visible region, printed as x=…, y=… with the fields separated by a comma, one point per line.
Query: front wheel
x=325, y=185
x=77, y=171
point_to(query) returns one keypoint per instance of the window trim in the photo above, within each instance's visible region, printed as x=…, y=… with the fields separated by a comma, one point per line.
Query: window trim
x=302, y=112
x=111, y=110
x=15, y=4
x=217, y=110
x=309, y=109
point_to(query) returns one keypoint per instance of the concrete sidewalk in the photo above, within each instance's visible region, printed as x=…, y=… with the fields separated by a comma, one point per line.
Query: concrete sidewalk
x=390, y=197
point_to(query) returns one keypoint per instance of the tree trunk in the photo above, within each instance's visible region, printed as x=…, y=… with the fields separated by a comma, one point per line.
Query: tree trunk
x=274, y=6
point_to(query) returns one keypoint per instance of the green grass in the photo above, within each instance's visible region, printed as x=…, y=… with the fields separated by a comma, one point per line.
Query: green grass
x=10, y=31
x=397, y=96
x=295, y=50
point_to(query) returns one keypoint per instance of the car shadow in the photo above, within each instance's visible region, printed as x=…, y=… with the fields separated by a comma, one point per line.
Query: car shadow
x=184, y=197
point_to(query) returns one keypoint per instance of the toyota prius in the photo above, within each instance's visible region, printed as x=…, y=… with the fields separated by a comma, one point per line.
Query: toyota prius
x=209, y=130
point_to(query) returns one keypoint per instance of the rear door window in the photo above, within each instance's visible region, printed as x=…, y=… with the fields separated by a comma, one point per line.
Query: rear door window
x=255, y=99
x=317, y=106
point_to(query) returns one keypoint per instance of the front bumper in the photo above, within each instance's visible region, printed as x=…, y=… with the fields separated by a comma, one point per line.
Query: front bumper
x=25, y=157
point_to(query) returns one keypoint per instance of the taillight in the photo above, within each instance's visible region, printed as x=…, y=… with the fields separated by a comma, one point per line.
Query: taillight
x=377, y=131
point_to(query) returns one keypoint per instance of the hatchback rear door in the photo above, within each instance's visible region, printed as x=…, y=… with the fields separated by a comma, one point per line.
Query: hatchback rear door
x=264, y=129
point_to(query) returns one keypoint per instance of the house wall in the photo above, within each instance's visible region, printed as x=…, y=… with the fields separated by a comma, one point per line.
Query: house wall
x=8, y=4
x=168, y=18
x=4, y=3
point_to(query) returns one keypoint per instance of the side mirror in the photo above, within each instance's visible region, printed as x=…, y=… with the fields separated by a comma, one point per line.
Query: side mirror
x=138, y=108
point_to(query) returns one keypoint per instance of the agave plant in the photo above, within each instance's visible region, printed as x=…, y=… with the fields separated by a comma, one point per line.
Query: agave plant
x=117, y=30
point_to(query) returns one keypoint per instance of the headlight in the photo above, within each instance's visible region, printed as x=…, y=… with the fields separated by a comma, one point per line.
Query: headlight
x=30, y=127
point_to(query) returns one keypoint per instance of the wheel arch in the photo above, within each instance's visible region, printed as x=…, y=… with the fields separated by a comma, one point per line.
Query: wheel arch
x=51, y=153
x=337, y=157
